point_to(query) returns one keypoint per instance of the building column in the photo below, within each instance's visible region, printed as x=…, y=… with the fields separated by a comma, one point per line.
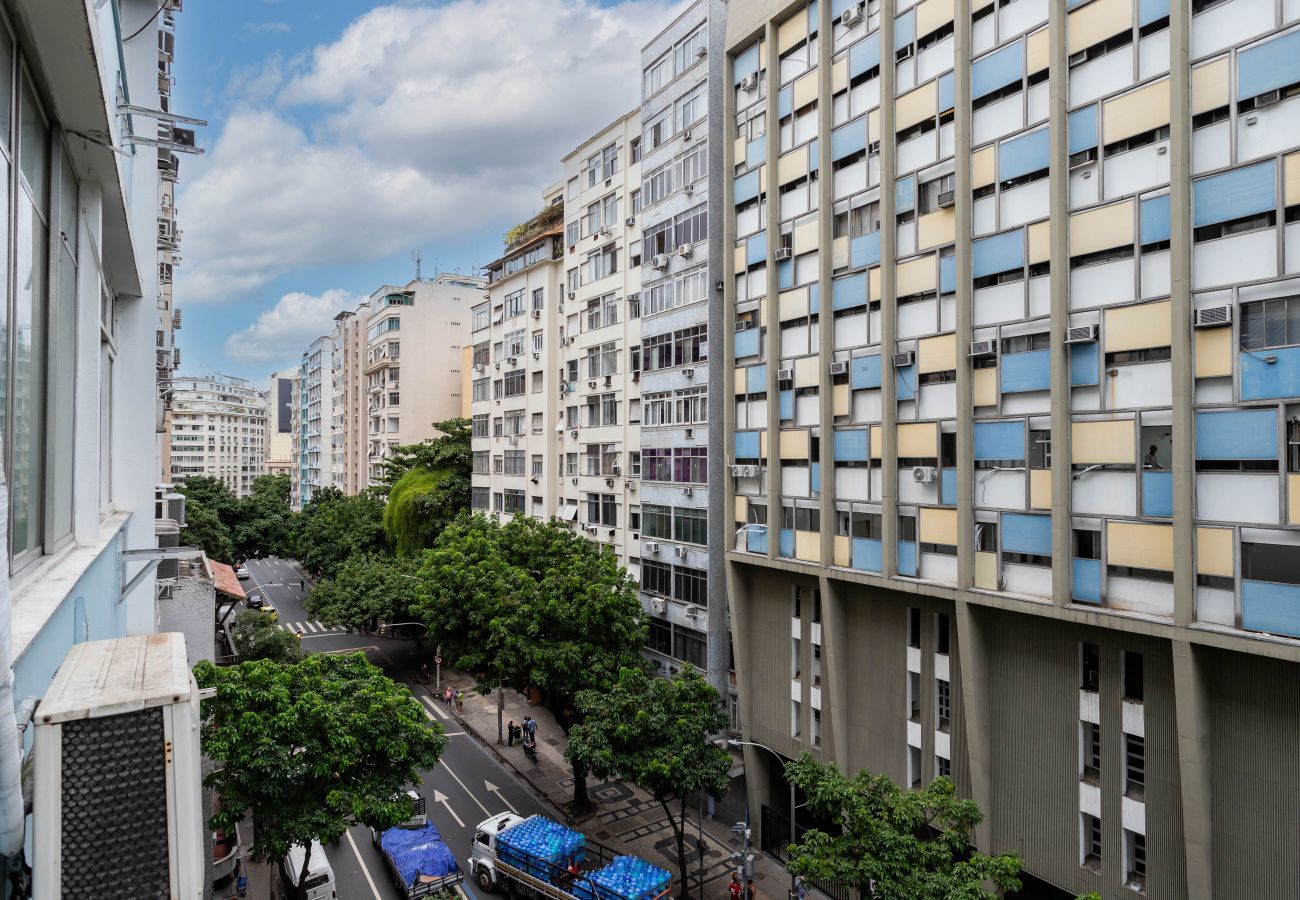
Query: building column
x=973, y=650
x=835, y=655
x=964, y=209
x=1059, y=283
x=888, y=296
x=1193, y=716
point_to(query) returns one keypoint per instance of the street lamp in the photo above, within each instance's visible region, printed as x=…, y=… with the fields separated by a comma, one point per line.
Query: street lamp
x=732, y=742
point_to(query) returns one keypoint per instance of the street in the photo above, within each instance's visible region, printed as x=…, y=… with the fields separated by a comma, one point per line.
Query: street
x=468, y=784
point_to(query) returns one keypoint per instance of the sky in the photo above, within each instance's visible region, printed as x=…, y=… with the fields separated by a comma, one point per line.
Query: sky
x=343, y=135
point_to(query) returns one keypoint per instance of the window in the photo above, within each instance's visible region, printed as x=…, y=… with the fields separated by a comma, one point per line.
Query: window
x=609, y=161
x=602, y=262
x=1135, y=852
x=634, y=464
x=693, y=164
x=656, y=578
x=479, y=427
x=1134, y=766
x=1091, y=752
x=514, y=501
x=514, y=462
x=656, y=131
x=691, y=226
x=656, y=75
x=481, y=317
x=1090, y=667
x=480, y=390
x=1132, y=676
x=513, y=343
x=539, y=298
x=691, y=526
x=691, y=465
x=1091, y=842
x=656, y=521
x=1270, y=323
x=691, y=406
x=691, y=49
x=602, y=509
x=572, y=232
x=537, y=465
x=691, y=585
x=514, y=383
x=602, y=360
x=913, y=627
x=691, y=106
x=934, y=193
x=478, y=498
x=941, y=637
x=514, y=304
x=634, y=150
x=943, y=703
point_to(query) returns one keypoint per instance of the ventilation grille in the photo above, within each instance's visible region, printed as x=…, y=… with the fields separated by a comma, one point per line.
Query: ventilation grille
x=115, y=808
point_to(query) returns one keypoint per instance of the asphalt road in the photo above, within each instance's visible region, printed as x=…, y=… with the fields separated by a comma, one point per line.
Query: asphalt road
x=466, y=787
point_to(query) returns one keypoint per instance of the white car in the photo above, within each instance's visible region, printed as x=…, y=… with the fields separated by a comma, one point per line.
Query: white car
x=242, y=574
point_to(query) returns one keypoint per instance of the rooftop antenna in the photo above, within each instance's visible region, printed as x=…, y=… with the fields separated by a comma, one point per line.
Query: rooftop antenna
x=418, y=257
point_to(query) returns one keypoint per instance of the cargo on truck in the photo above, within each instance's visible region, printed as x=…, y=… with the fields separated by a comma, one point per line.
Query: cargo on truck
x=419, y=861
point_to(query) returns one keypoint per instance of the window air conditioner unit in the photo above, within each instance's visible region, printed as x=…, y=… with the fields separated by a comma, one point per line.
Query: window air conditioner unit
x=659, y=261
x=689, y=434
x=116, y=735
x=609, y=379
x=573, y=433
x=738, y=471
x=688, y=188
x=573, y=294
x=782, y=253
x=1081, y=334
x=592, y=529
x=537, y=354
x=688, y=492
x=701, y=52
x=784, y=374
x=851, y=16
x=631, y=484
x=497, y=365
x=592, y=383
x=749, y=82
x=947, y=199
x=686, y=134
x=924, y=474
x=497, y=321
x=689, y=373
x=680, y=552
x=537, y=314
x=1212, y=317
x=630, y=221
x=575, y=481
x=650, y=547
x=983, y=348
x=684, y=251
x=903, y=359
x=744, y=324
x=510, y=360
x=609, y=482
x=658, y=604
x=839, y=368
x=1268, y=98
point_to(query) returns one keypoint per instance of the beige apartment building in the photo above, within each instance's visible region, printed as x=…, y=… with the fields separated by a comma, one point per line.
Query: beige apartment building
x=279, y=423
x=218, y=429
x=348, y=457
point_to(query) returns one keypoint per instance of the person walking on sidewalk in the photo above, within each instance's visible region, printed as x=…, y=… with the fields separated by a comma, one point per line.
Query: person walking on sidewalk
x=530, y=726
x=510, y=733
x=446, y=698
x=800, y=888
x=460, y=702
x=734, y=890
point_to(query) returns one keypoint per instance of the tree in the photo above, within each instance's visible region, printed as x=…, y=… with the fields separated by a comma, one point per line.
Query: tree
x=656, y=733
x=365, y=589
x=333, y=527
x=530, y=604
x=256, y=636
x=205, y=530
x=420, y=505
x=312, y=748
x=262, y=523
x=894, y=844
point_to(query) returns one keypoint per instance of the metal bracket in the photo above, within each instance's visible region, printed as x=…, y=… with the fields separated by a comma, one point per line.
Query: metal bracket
x=135, y=139
x=131, y=109
x=154, y=555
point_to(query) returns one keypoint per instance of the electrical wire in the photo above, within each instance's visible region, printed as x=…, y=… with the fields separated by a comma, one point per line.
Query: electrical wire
x=162, y=4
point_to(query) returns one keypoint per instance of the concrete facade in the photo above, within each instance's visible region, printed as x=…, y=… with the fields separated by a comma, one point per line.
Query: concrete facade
x=347, y=406
x=219, y=430
x=279, y=425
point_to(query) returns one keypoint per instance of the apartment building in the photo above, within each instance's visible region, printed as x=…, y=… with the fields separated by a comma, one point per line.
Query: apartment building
x=279, y=426
x=683, y=584
x=313, y=462
x=432, y=317
x=218, y=429
x=1020, y=506
x=348, y=445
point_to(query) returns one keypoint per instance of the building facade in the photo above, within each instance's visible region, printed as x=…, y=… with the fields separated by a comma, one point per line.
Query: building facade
x=1013, y=437
x=279, y=425
x=314, y=461
x=348, y=443
x=218, y=430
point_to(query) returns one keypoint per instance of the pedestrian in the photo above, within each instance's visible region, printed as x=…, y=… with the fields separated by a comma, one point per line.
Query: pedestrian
x=446, y=699
x=530, y=725
x=749, y=889
x=460, y=701
x=800, y=888
x=734, y=890
x=510, y=733
x=302, y=585
x=241, y=881
x=424, y=672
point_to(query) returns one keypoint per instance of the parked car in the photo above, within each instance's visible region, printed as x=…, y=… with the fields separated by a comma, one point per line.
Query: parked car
x=254, y=600
x=242, y=573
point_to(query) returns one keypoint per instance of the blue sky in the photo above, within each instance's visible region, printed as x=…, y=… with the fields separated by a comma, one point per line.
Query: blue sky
x=345, y=134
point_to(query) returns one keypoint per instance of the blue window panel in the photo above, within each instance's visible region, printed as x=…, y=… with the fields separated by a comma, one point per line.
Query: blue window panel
x=1155, y=219
x=850, y=445
x=905, y=383
x=747, y=445
x=746, y=62
x=1268, y=66
x=785, y=101
x=997, y=70
x=812, y=17
x=905, y=194
x=1022, y=155
x=849, y=291
x=756, y=248
x=1238, y=434
x=1083, y=129
x=812, y=156
x=814, y=298
x=838, y=7
x=1234, y=194
x=1157, y=493
x=785, y=274
x=1000, y=440
x=756, y=379
x=746, y=343
x=866, y=554
x=849, y=138
x=864, y=250
x=786, y=404
x=1000, y=253
x=1084, y=360
x=864, y=55
x=746, y=187
x=1266, y=381
x=1023, y=533
x=948, y=487
x=905, y=29
x=786, y=548
x=946, y=92
x=1031, y=371
x=864, y=372
x=1152, y=11
x=1085, y=580
x=756, y=152
x=815, y=477
x=947, y=274
x=756, y=538
x=907, y=558
x=1268, y=606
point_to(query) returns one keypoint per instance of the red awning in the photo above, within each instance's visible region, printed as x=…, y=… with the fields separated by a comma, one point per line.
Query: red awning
x=223, y=576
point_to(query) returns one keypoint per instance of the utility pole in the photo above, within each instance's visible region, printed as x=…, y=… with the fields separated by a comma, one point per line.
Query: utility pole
x=437, y=668
x=501, y=705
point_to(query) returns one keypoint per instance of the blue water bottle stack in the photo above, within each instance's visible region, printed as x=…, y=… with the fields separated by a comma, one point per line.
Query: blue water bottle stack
x=542, y=847
x=625, y=878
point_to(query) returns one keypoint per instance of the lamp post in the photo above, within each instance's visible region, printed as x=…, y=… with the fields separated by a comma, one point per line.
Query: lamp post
x=732, y=742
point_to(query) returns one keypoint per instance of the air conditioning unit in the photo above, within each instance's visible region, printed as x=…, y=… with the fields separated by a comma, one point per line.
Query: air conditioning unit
x=573, y=434
x=609, y=482
x=694, y=611
x=701, y=52
x=510, y=360
x=924, y=474
x=616, y=471
x=117, y=770
x=904, y=359
x=513, y=440
x=537, y=354
x=688, y=373
x=592, y=529
x=783, y=253
x=983, y=348
x=658, y=604
x=564, y=342
x=784, y=374
x=839, y=368
x=684, y=251
x=1212, y=317
x=688, y=188
x=744, y=324
x=609, y=380
x=592, y=383
x=688, y=492
x=574, y=480
x=650, y=547
x=851, y=16
x=497, y=365
x=1268, y=98
x=689, y=434
x=686, y=134
x=573, y=295
x=659, y=261
x=1081, y=334
x=497, y=321
x=738, y=471
x=947, y=199
x=680, y=552
x=749, y=82
x=630, y=221
x=537, y=314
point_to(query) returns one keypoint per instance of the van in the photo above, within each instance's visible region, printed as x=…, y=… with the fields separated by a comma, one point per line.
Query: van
x=320, y=877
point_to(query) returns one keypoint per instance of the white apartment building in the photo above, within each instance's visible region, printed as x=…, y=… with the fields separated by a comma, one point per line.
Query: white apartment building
x=348, y=446
x=313, y=462
x=432, y=317
x=219, y=430
x=279, y=426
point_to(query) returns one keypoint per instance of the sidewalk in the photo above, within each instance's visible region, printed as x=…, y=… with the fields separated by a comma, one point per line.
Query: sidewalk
x=625, y=818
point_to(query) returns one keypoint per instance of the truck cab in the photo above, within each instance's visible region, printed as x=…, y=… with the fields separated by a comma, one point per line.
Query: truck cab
x=482, y=862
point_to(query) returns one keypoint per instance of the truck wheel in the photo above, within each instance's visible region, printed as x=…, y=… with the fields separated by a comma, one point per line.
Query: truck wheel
x=484, y=879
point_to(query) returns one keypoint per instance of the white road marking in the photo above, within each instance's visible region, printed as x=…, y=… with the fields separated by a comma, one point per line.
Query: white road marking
x=364, y=871
x=453, y=774
x=493, y=789
x=427, y=713
x=322, y=627
x=311, y=626
x=429, y=702
x=440, y=797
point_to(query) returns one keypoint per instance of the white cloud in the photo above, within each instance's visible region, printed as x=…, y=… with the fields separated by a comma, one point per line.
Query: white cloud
x=429, y=123
x=267, y=27
x=282, y=331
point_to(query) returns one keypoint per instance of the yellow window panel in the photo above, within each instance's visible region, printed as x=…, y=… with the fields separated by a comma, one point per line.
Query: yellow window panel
x=1102, y=228
x=762, y=444
x=792, y=31
x=1094, y=443
x=1210, y=88
x=794, y=444
x=875, y=442
x=843, y=550
x=936, y=229
x=1293, y=498
x=986, y=571
x=738, y=258
x=1136, y=112
x=739, y=151
x=873, y=123
x=839, y=253
x=915, y=276
x=1040, y=242
x=808, y=546
x=873, y=283
x=938, y=526
x=1040, y=488
x=740, y=380
x=936, y=354
x=842, y=400
x=807, y=371
x=1138, y=327
x=983, y=167
x=1213, y=352
x=807, y=237
x=918, y=439
x=805, y=90
x=1140, y=546
x=1214, y=552
x=1037, y=52
x=985, y=387
x=840, y=76
x=1098, y=21
x=792, y=165
x=793, y=304
x=916, y=106
x=1291, y=179
x=742, y=508
x=931, y=15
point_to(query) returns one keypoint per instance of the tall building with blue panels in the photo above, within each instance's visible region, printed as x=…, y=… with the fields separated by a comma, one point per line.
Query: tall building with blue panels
x=1014, y=450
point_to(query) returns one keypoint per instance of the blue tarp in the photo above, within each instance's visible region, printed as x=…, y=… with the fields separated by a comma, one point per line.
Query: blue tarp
x=417, y=852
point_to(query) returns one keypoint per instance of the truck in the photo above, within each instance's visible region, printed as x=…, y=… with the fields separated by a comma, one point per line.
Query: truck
x=420, y=863
x=538, y=857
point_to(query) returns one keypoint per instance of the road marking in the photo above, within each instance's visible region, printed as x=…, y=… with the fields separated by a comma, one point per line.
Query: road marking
x=427, y=713
x=440, y=797
x=345, y=650
x=493, y=789
x=364, y=871
x=433, y=706
x=453, y=774
x=323, y=628
x=311, y=626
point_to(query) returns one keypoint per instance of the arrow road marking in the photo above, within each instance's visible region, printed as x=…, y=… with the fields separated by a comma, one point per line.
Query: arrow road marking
x=465, y=789
x=493, y=789
x=364, y=871
x=440, y=797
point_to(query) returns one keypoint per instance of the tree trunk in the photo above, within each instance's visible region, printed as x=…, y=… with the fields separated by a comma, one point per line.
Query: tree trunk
x=581, y=799
x=678, y=825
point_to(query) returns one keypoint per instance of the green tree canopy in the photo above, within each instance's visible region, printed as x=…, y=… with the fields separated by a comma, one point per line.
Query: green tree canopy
x=420, y=505
x=894, y=844
x=313, y=748
x=656, y=733
x=204, y=529
x=333, y=527
x=256, y=636
x=263, y=523
x=450, y=450
x=365, y=589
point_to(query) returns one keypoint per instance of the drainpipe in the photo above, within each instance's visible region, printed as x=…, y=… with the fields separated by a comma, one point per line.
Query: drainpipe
x=11, y=788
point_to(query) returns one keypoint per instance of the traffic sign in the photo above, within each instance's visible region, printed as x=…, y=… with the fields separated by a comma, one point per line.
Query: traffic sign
x=437, y=660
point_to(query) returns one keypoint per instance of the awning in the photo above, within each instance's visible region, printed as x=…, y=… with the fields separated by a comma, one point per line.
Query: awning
x=568, y=512
x=223, y=576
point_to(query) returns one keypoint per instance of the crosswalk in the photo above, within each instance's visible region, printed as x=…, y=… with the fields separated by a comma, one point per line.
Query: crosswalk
x=308, y=628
